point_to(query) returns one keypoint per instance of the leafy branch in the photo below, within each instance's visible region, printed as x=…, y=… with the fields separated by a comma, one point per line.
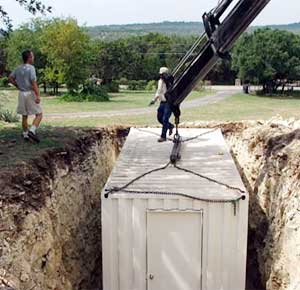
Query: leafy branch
x=32, y=6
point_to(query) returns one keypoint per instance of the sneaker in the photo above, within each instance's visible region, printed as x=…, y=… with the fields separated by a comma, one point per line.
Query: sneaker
x=171, y=131
x=161, y=139
x=34, y=137
x=26, y=138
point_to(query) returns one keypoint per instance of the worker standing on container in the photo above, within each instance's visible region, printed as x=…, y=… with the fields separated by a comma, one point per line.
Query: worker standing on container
x=163, y=112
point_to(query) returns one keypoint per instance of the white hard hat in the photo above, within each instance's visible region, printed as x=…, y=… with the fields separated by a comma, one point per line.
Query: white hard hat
x=163, y=70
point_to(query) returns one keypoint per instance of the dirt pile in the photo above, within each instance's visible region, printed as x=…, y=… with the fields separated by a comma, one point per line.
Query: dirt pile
x=50, y=227
x=268, y=156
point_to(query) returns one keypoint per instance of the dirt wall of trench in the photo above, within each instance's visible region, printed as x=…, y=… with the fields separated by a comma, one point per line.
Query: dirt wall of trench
x=268, y=157
x=50, y=231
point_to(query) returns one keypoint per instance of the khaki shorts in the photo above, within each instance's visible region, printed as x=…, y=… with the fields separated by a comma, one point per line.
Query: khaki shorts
x=27, y=105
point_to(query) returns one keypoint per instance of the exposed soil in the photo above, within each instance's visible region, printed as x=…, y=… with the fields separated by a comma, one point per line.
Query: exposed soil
x=50, y=227
x=268, y=156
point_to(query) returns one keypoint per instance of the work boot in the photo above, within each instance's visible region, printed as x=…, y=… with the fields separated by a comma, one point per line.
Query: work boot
x=33, y=137
x=161, y=139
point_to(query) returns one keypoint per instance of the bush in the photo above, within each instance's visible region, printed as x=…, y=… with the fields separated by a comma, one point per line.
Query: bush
x=8, y=116
x=112, y=87
x=200, y=86
x=89, y=93
x=151, y=86
x=4, y=82
x=123, y=82
x=137, y=85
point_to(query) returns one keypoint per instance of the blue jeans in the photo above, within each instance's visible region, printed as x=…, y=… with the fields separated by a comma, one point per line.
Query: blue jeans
x=163, y=116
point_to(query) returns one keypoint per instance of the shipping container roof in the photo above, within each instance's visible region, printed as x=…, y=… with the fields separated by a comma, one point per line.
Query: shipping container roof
x=207, y=155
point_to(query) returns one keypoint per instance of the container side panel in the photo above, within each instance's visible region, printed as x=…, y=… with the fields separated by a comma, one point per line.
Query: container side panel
x=139, y=225
x=227, y=264
x=107, y=236
x=205, y=232
x=185, y=204
x=171, y=204
x=242, y=231
x=111, y=230
x=156, y=203
x=214, y=246
x=235, y=271
x=125, y=244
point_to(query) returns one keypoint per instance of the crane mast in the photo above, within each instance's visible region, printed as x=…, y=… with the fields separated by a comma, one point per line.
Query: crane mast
x=215, y=43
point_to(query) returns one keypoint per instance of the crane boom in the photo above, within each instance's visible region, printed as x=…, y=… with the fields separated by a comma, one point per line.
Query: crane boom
x=215, y=43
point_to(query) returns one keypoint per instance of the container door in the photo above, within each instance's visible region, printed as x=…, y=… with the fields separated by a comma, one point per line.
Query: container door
x=174, y=250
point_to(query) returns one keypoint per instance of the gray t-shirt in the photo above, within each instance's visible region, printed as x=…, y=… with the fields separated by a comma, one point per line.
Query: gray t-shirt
x=24, y=75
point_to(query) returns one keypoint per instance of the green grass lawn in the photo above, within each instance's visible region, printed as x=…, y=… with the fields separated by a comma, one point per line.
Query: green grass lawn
x=235, y=108
x=57, y=132
x=247, y=107
x=119, y=101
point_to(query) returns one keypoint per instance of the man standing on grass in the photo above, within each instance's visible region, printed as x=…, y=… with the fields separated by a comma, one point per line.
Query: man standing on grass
x=24, y=78
x=164, y=112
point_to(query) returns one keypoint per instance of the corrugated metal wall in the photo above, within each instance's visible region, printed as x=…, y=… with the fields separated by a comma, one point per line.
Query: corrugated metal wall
x=124, y=238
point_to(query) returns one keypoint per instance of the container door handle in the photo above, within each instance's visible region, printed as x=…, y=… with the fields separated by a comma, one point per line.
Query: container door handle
x=151, y=277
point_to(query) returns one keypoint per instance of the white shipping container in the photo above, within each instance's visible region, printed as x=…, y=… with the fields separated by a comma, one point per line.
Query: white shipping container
x=155, y=237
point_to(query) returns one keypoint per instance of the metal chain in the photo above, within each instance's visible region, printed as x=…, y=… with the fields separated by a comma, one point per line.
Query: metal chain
x=116, y=189
x=177, y=133
x=209, y=179
x=167, y=193
x=198, y=136
x=123, y=189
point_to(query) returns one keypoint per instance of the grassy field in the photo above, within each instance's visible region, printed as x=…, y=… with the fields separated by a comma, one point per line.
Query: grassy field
x=57, y=132
x=235, y=108
x=247, y=107
x=119, y=101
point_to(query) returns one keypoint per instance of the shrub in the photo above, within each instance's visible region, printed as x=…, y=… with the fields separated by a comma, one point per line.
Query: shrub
x=112, y=87
x=200, y=86
x=123, y=81
x=8, y=116
x=4, y=82
x=137, y=85
x=89, y=93
x=151, y=86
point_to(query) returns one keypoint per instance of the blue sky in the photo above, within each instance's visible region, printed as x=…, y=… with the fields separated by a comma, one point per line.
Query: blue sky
x=99, y=12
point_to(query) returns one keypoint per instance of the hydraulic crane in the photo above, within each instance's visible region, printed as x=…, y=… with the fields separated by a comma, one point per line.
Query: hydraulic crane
x=215, y=43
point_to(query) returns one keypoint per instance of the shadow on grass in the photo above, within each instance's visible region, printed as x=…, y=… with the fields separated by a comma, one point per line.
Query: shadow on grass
x=14, y=150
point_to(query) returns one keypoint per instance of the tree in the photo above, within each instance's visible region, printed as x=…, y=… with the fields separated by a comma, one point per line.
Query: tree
x=138, y=57
x=28, y=36
x=268, y=57
x=3, y=58
x=33, y=6
x=222, y=73
x=68, y=48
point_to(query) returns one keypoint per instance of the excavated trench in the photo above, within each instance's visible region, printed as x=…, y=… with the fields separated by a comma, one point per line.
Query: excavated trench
x=50, y=226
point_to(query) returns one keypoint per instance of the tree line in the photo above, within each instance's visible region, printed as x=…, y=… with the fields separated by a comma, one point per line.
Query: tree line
x=67, y=54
